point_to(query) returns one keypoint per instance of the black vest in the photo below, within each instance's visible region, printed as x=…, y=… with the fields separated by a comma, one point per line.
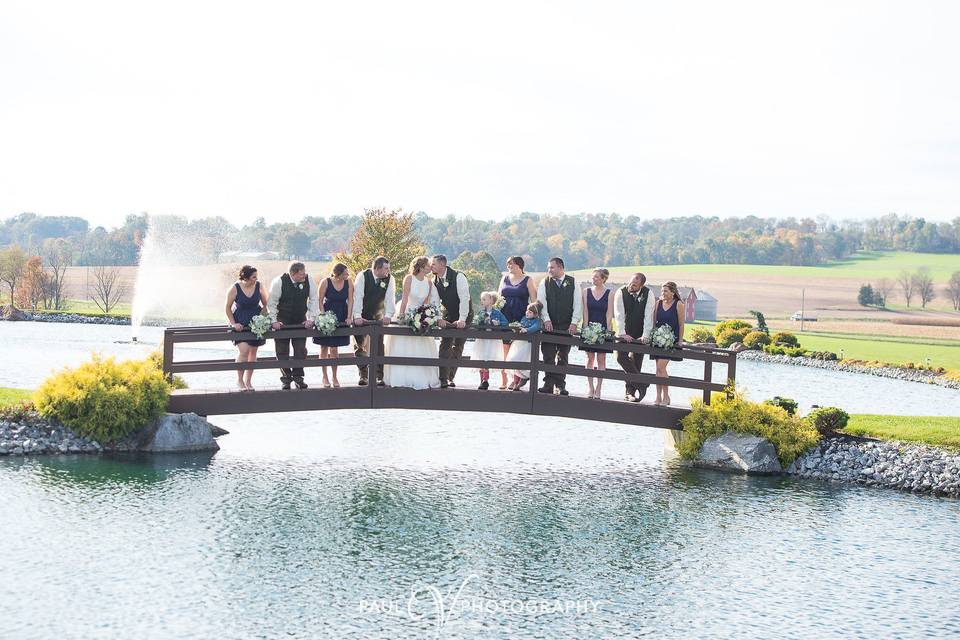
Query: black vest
x=450, y=298
x=560, y=302
x=373, y=296
x=292, y=305
x=633, y=311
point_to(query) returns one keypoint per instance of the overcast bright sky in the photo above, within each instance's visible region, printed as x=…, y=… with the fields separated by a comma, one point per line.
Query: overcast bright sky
x=848, y=109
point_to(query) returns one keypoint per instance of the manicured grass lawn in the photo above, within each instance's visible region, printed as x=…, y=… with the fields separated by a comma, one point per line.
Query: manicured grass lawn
x=862, y=346
x=942, y=353
x=864, y=265
x=12, y=396
x=936, y=431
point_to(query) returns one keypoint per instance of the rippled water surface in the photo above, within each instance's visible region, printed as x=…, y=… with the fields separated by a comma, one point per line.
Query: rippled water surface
x=319, y=525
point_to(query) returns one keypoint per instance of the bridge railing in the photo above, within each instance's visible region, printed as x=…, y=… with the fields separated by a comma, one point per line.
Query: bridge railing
x=536, y=367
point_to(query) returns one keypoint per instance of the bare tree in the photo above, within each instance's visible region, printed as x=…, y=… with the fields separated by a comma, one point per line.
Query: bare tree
x=883, y=288
x=58, y=256
x=953, y=290
x=108, y=287
x=906, y=282
x=923, y=286
x=13, y=260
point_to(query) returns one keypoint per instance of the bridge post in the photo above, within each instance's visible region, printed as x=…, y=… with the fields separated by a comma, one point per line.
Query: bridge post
x=534, y=370
x=707, y=377
x=167, y=355
x=374, y=354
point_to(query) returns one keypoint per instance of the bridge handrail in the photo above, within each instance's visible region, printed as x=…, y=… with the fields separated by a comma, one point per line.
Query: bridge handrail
x=216, y=333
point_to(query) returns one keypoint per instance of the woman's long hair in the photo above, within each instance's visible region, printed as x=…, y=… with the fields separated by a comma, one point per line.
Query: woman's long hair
x=337, y=270
x=418, y=263
x=245, y=272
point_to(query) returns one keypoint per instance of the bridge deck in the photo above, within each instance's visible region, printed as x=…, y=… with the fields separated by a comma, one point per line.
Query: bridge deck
x=528, y=401
x=223, y=401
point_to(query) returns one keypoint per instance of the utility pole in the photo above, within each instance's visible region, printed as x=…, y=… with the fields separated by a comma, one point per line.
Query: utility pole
x=803, y=311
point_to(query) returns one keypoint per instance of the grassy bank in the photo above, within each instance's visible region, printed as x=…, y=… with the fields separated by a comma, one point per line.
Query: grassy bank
x=936, y=431
x=10, y=396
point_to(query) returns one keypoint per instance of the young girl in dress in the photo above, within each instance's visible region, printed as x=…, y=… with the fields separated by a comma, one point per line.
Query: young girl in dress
x=520, y=349
x=488, y=349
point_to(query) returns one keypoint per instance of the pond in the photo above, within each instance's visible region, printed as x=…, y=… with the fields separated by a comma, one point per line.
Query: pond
x=321, y=524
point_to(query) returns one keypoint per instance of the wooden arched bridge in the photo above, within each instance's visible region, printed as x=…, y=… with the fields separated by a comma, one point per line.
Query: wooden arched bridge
x=528, y=401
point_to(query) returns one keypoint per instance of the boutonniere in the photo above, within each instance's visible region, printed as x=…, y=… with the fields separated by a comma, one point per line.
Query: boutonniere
x=300, y=285
x=563, y=283
x=383, y=284
x=444, y=281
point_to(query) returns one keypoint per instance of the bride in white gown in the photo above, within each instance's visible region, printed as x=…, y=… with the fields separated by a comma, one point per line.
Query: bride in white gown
x=417, y=291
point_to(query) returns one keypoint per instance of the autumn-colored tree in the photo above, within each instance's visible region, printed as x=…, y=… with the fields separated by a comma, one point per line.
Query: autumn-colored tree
x=13, y=259
x=481, y=271
x=387, y=233
x=33, y=284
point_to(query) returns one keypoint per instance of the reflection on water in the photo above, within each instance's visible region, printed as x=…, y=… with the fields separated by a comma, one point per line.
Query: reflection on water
x=301, y=518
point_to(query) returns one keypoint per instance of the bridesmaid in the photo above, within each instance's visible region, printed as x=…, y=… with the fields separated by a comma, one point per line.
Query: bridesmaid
x=669, y=311
x=599, y=305
x=336, y=294
x=518, y=291
x=245, y=299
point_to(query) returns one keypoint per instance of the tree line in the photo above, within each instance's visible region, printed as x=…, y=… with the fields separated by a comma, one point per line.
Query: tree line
x=584, y=240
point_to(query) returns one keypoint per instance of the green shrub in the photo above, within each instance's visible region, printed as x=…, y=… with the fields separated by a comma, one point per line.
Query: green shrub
x=827, y=420
x=787, y=404
x=789, y=435
x=756, y=340
x=104, y=399
x=776, y=350
x=728, y=337
x=785, y=338
x=822, y=355
x=736, y=325
x=701, y=334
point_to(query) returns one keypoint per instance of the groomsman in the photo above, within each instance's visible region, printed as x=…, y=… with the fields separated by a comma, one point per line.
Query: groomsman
x=293, y=301
x=374, y=300
x=633, y=311
x=562, y=311
x=454, y=292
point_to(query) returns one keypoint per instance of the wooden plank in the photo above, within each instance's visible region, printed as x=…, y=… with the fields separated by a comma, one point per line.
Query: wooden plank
x=644, y=378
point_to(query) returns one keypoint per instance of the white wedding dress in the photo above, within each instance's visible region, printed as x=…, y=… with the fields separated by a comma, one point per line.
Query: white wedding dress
x=413, y=346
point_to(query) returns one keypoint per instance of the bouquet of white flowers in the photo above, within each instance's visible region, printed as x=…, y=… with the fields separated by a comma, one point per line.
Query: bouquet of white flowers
x=423, y=318
x=593, y=333
x=326, y=323
x=500, y=302
x=259, y=325
x=663, y=337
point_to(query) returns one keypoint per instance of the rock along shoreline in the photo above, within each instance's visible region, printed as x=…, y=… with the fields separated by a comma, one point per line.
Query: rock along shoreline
x=897, y=373
x=882, y=463
x=35, y=435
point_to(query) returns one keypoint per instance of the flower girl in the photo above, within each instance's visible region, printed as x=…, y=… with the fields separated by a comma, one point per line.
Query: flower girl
x=520, y=349
x=489, y=316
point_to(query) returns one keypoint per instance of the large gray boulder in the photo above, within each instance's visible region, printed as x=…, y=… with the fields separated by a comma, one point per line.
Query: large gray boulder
x=177, y=432
x=11, y=313
x=742, y=453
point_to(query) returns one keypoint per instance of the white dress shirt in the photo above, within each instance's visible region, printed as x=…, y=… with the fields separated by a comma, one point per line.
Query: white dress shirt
x=577, y=301
x=463, y=291
x=620, y=315
x=276, y=288
x=389, y=302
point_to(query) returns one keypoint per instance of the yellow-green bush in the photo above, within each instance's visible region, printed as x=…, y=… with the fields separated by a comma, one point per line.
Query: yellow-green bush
x=104, y=399
x=736, y=325
x=701, y=334
x=789, y=435
x=729, y=336
x=785, y=338
x=756, y=340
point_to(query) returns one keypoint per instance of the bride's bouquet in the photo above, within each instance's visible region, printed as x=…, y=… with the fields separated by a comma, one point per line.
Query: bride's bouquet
x=259, y=325
x=326, y=323
x=594, y=333
x=422, y=319
x=663, y=337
